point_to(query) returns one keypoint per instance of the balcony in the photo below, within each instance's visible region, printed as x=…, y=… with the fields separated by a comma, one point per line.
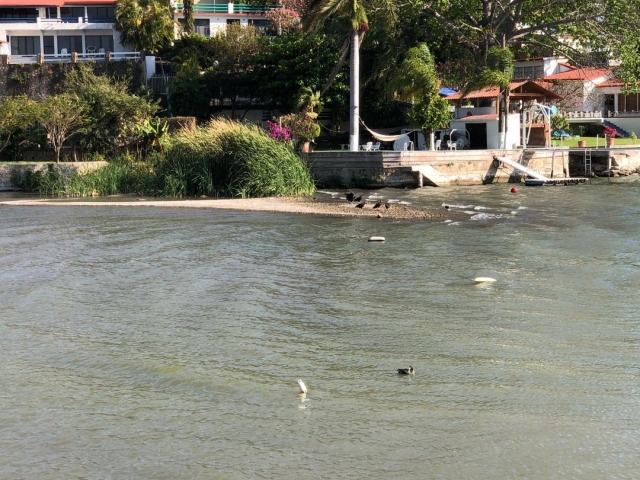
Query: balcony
x=73, y=57
x=226, y=8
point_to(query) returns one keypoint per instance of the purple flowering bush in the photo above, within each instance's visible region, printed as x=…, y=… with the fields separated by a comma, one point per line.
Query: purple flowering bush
x=278, y=132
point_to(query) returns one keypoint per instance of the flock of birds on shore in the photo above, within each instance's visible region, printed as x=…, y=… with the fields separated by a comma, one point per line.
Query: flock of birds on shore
x=351, y=198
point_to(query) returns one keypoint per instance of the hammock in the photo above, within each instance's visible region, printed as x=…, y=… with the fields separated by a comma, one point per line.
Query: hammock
x=385, y=138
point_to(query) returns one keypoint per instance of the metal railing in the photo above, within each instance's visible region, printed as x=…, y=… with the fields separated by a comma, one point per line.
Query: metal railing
x=226, y=8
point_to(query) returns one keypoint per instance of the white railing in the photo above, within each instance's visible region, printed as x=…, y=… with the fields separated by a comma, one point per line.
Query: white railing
x=68, y=57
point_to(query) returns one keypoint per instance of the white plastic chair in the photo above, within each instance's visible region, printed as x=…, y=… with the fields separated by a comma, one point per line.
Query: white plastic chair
x=375, y=147
x=64, y=51
x=366, y=147
x=438, y=144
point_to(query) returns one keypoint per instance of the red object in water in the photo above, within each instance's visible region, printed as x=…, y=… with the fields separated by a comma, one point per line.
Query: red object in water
x=514, y=190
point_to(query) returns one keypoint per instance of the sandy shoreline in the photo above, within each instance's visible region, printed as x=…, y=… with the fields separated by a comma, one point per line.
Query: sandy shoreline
x=296, y=205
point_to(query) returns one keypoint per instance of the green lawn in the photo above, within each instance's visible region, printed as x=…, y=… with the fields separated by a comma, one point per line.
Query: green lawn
x=591, y=142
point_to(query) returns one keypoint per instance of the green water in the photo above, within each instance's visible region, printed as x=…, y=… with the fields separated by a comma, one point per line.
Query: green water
x=166, y=343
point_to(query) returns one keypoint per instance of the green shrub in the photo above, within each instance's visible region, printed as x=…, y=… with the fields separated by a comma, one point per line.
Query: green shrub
x=633, y=136
x=229, y=159
x=225, y=159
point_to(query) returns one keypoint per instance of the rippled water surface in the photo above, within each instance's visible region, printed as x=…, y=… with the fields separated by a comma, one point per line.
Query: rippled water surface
x=166, y=343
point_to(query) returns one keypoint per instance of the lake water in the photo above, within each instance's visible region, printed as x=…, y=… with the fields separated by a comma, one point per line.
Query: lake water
x=166, y=343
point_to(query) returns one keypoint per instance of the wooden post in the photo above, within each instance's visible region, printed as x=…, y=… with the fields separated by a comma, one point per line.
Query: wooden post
x=420, y=181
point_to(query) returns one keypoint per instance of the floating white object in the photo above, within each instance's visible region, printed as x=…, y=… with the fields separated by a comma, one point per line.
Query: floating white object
x=484, y=279
x=376, y=239
x=303, y=387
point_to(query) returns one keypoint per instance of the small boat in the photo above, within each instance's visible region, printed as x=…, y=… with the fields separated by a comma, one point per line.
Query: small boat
x=533, y=182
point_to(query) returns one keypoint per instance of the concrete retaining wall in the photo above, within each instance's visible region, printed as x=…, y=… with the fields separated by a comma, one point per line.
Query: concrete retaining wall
x=394, y=169
x=66, y=168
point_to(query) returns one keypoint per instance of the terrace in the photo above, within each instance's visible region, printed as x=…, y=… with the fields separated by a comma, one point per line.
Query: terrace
x=234, y=8
x=54, y=31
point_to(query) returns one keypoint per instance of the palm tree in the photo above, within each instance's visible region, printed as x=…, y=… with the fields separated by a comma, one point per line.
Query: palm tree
x=353, y=13
x=308, y=99
x=146, y=25
x=415, y=80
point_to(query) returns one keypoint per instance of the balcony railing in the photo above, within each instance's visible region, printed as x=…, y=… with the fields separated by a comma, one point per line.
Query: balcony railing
x=19, y=20
x=73, y=57
x=60, y=20
x=226, y=8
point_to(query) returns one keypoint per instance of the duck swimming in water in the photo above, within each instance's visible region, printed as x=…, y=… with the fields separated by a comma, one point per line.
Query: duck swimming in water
x=406, y=371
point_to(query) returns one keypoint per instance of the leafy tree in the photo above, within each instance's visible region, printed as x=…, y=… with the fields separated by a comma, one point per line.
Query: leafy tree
x=353, y=14
x=416, y=80
x=146, y=25
x=289, y=63
x=573, y=28
x=113, y=114
x=189, y=94
x=16, y=114
x=283, y=20
x=233, y=58
x=497, y=70
x=62, y=116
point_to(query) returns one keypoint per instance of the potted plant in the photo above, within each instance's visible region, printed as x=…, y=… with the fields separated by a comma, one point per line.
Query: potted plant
x=610, y=134
x=303, y=128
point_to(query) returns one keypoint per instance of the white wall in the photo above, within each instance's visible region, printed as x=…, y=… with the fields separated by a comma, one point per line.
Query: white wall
x=493, y=135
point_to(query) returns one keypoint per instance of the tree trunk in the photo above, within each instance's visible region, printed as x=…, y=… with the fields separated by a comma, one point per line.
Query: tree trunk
x=354, y=98
x=187, y=11
x=503, y=117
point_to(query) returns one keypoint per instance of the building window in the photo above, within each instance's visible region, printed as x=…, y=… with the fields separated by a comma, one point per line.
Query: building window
x=202, y=27
x=233, y=21
x=70, y=44
x=25, y=45
x=101, y=14
x=99, y=42
x=18, y=13
x=528, y=72
x=262, y=26
x=72, y=13
x=48, y=45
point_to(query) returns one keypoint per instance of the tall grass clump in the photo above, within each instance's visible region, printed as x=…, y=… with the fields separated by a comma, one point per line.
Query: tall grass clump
x=229, y=159
x=119, y=176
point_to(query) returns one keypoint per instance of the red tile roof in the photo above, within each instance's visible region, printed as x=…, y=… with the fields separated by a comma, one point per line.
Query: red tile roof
x=493, y=92
x=579, y=74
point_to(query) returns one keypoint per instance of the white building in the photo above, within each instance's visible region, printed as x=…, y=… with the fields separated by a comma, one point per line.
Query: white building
x=213, y=16
x=59, y=30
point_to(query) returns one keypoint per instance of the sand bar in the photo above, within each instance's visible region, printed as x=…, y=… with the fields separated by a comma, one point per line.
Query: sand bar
x=297, y=205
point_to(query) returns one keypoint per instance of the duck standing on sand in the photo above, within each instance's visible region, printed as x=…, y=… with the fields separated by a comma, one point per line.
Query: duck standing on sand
x=406, y=371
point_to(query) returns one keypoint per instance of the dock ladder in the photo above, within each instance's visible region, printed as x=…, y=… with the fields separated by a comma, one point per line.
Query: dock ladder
x=587, y=161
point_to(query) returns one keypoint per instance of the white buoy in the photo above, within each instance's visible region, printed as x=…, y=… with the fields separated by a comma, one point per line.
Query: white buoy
x=376, y=239
x=484, y=279
x=303, y=387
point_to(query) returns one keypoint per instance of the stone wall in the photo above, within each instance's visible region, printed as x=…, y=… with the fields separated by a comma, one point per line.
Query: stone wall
x=66, y=168
x=39, y=81
x=394, y=169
